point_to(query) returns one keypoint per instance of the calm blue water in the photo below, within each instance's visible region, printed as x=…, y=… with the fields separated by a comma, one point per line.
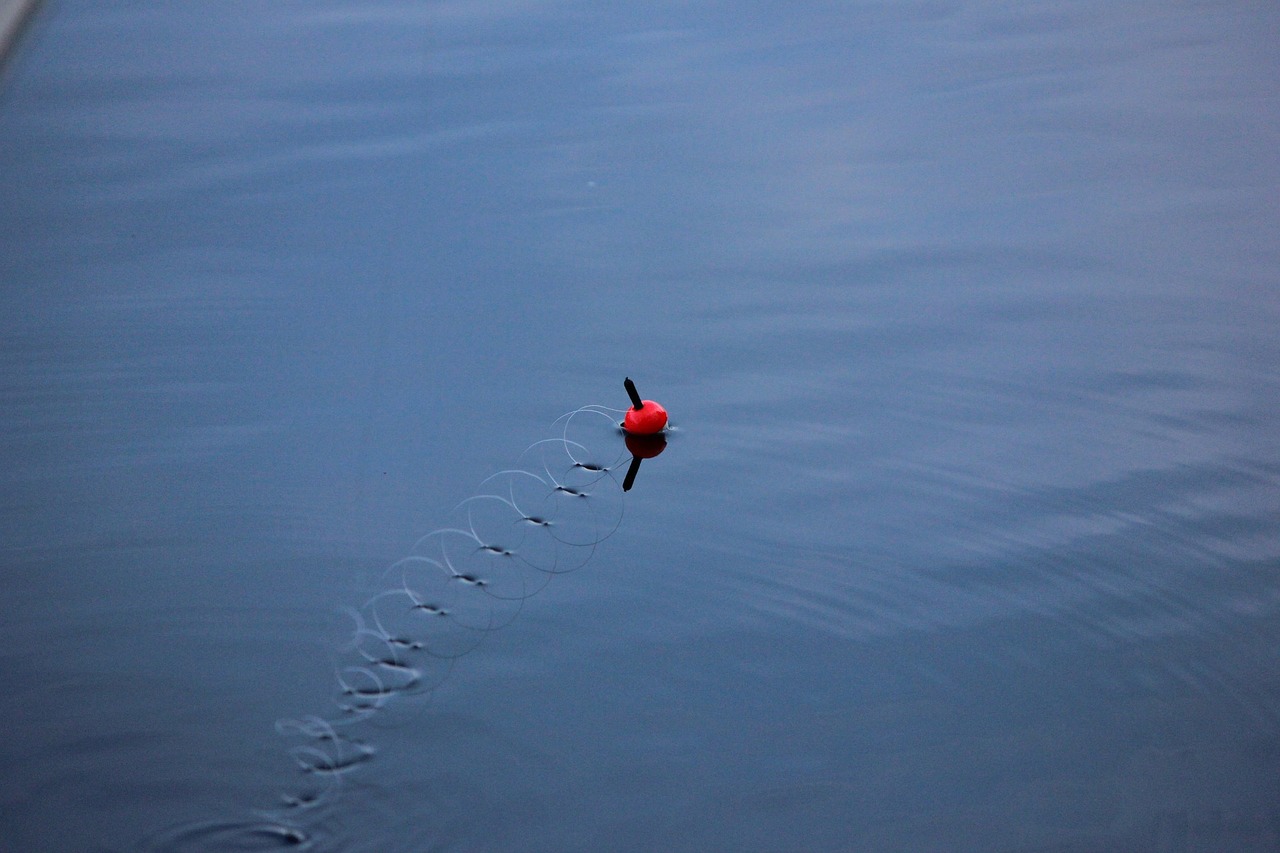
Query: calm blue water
x=968, y=537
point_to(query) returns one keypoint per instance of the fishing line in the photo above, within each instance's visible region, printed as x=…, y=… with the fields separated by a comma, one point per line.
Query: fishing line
x=545, y=516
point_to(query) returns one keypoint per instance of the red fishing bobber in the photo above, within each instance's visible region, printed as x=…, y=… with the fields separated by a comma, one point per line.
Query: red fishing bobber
x=645, y=417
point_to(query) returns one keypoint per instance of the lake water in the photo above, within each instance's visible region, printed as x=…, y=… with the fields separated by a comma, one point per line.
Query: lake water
x=966, y=536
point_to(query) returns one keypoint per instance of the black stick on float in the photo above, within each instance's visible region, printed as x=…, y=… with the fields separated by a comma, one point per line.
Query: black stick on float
x=636, y=402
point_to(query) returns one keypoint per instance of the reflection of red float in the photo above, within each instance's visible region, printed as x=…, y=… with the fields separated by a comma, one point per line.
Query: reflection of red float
x=645, y=446
x=641, y=447
x=645, y=417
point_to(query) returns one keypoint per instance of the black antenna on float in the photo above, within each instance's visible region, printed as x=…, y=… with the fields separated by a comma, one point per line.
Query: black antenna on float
x=636, y=402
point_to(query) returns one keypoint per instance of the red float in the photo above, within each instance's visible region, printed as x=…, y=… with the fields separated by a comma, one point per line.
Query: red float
x=645, y=417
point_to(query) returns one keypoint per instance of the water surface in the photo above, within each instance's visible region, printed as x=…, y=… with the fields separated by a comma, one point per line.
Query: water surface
x=967, y=538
